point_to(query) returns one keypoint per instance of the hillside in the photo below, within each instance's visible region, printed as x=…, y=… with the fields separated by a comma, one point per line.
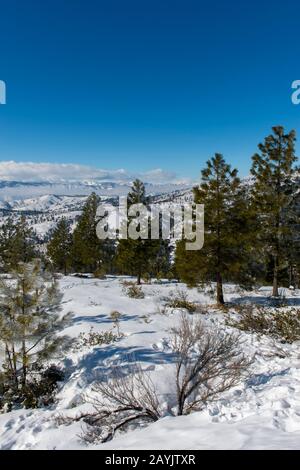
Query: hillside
x=261, y=412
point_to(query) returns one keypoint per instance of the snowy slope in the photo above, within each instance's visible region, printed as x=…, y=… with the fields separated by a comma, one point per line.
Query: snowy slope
x=43, y=212
x=262, y=412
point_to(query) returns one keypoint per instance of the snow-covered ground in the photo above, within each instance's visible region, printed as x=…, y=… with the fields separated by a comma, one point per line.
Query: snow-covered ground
x=263, y=412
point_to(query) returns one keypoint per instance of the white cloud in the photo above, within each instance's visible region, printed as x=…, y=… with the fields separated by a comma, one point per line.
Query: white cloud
x=69, y=172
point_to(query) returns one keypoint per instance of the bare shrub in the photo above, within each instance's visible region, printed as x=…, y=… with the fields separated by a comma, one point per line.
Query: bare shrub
x=180, y=301
x=209, y=362
x=93, y=338
x=121, y=401
x=115, y=317
x=133, y=291
x=282, y=325
x=124, y=283
x=161, y=309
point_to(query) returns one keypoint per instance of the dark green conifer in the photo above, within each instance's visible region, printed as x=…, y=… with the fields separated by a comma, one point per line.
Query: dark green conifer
x=272, y=194
x=18, y=243
x=138, y=257
x=89, y=253
x=60, y=246
x=226, y=243
x=86, y=249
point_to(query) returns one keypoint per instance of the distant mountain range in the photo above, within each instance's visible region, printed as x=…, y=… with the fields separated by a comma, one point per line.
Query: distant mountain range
x=44, y=203
x=11, y=191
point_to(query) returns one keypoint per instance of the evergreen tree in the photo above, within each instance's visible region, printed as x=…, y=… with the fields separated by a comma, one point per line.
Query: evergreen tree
x=226, y=242
x=136, y=257
x=60, y=245
x=289, y=271
x=160, y=265
x=272, y=195
x=137, y=195
x=29, y=322
x=88, y=253
x=86, y=248
x=18, y=243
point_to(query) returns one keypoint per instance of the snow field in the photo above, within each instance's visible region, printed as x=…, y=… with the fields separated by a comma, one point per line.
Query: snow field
x=263, y=412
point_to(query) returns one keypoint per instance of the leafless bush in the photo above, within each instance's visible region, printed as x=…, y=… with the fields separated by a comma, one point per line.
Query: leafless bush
x=119, y=402
x=115, y=317
x=209, y=362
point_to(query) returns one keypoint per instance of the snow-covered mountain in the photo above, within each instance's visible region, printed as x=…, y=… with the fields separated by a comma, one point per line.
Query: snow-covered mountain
x=44, y=210
x=44, y=203
x=20, y=190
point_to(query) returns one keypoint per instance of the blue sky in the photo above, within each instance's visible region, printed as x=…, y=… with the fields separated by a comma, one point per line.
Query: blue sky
x=146, y=84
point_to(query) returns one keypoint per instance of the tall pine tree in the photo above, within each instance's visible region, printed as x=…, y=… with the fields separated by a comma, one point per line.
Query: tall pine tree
x=138, y=257
x=272, y=193
x=29, y=323
x=224, y=253
x=89, y=253
x=18, y=243
x=60, y=246
x=86, y=248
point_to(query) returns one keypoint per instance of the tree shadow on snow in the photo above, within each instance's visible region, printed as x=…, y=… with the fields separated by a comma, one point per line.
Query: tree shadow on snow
x=266, y=301
x=101, y=318
x=262, y=379
x=98, y=364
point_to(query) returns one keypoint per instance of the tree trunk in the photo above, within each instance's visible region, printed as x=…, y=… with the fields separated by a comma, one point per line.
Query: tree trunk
x=23, y=350
x=14, y=359
x=11, y=366
x=275, y=278
x=180, y=406
x=291, y=277
x=180, y=397
x=220, y=297
x=24, y=365
x=139, y=279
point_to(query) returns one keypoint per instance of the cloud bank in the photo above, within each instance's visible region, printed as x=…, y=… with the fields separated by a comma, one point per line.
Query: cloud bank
x=31, y=172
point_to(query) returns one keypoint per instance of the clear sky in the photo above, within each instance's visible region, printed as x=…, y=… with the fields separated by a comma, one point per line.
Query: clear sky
x=143, y=84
